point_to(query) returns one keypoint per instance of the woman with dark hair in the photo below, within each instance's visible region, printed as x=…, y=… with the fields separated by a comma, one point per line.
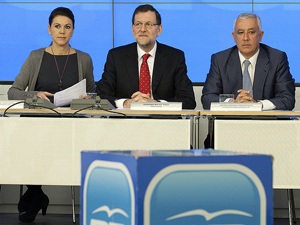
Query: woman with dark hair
x=57, y=67
x=45, y=72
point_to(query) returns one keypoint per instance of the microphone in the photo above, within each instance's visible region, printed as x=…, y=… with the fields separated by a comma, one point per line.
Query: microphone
x=91, y=104
x=38, y=103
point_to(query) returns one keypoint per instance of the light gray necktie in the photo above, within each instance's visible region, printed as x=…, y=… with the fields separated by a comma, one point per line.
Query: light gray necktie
x=247, y=84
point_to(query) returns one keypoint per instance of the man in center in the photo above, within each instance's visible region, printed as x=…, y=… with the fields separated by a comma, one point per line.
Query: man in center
x=146, y=71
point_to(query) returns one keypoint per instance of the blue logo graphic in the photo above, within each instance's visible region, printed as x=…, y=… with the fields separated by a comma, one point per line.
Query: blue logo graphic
x=108, y=195
x=205, y=194
x=208, y=216
x=109, y=213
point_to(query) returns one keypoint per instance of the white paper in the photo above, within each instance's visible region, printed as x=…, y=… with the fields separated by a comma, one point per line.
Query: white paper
x=156, y=106
x=232, y=106
x=66, y=96
x=7, y=103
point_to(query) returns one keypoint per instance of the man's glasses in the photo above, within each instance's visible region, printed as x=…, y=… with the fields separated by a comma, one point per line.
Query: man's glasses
x=148, y=25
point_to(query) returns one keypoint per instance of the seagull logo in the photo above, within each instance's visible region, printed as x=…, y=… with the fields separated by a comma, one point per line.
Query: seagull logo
x=109, y=214
x=208, y=216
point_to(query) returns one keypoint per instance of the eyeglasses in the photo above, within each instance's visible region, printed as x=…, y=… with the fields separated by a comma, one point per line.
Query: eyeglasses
x=148, y=25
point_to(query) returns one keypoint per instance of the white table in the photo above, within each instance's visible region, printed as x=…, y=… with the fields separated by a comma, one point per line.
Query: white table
x=47, y=150
x=281, y=139
x=274, y=133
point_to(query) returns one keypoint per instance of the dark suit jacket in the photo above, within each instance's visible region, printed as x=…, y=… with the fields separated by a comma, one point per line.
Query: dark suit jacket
x=272, y=78
x=169, y=81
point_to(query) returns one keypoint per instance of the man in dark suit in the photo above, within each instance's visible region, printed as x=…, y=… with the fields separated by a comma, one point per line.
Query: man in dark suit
x=167, y=69
x=272, y=84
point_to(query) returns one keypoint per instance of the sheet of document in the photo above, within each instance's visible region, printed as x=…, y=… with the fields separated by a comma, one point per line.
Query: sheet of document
x=65, y=97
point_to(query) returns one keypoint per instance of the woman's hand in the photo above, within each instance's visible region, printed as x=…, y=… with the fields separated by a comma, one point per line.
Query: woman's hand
x=44, y=94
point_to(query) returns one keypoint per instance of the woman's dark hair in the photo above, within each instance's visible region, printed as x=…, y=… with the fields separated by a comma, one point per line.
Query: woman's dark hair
x=62, y=11
x=146, y=8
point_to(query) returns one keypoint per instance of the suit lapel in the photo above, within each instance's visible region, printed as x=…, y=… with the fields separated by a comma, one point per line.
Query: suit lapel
x=131, y=62
x=260, y=75
x=159, y=66
x=234, y=72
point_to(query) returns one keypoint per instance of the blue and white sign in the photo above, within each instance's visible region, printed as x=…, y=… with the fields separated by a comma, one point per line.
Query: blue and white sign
x=180, y=188
x=205, y=194
x=108, y=196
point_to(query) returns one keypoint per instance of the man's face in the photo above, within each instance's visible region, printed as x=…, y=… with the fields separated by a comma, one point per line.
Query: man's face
x=247, y=36
x=144, y=36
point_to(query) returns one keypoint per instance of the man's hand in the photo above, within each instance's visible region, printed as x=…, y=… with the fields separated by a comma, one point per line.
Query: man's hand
x=44, y=94
x=244, y=97
x=138, y=97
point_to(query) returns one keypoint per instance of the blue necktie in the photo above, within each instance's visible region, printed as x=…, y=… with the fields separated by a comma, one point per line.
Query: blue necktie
x=247, y=84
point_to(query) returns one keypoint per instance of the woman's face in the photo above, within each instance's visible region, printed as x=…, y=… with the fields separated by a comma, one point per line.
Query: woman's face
x=61, y=30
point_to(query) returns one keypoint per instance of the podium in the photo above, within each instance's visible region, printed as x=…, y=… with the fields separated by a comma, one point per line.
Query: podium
x=175, y=188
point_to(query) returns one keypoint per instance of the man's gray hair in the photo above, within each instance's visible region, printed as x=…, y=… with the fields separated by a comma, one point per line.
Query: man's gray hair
x=246, y=16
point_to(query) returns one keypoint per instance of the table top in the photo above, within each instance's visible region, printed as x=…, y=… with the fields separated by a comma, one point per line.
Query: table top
x=157, y=112
x=250, y=113
x=110, y=112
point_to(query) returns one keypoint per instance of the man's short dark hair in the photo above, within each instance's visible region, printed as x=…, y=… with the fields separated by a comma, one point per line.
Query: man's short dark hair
x=146, y=8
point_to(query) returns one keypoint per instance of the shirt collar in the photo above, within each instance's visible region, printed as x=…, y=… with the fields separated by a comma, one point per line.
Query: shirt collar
x=252, y=60
x=141, y=52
